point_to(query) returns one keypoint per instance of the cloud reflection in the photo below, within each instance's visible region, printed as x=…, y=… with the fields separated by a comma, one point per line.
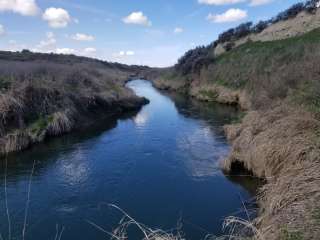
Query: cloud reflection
x=141, y=119
x=203, y=152
x=74, y=168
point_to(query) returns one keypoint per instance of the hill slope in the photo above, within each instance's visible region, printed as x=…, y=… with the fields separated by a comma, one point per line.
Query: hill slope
x=277, y=83
x=45, y=95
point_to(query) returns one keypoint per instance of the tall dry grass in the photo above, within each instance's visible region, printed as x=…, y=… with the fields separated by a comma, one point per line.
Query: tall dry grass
x=47, y=95
x=60, y=123
x=235, y=228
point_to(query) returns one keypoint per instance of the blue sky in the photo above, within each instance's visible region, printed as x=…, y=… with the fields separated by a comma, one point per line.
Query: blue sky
x=149, y=32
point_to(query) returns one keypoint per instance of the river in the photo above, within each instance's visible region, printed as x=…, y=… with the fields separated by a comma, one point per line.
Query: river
x=160, y=165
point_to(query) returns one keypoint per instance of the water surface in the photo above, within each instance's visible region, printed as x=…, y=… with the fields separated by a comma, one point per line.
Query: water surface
x=160, y=165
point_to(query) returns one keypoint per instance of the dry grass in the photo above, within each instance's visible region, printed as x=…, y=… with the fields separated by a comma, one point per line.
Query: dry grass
x=265, y=71
x=16, y=141
x=281, y=145
x=235, y=228
x=10, y=225
x=9, y=105
x=121, y=232
x=27, y=203
x=60, y=123
x=43, y=95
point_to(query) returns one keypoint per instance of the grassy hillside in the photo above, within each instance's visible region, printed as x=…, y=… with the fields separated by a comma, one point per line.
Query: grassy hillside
x=47, y=94
x=277, y=83
x=269, y=71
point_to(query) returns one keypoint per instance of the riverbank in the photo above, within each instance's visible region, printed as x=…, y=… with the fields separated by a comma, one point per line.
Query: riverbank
x=46, y=95
x=275, y=84
x=281, y=145
x=156, y=165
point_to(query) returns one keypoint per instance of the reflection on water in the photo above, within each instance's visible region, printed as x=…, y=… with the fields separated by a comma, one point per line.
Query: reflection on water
x=199, y=161
x=77, y=171
x=141, y=119
x=160, y=165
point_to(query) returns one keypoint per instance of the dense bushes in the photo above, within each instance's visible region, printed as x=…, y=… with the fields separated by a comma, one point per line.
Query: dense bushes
x=193, y=60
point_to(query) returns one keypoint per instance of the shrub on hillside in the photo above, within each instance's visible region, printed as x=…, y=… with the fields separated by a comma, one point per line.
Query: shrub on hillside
x=290, y=12
x=193, y=60
x=260, y=26
x=245, y=29
x=311, y=6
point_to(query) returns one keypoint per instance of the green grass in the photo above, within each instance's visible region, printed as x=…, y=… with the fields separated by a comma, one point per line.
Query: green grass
x=238, y=118
x=237, y=67
x=38, y=126
x=308, y=95
x=212, y=95
x=316, y=215
x=290, y=235
x=288, y=47
x=4, y=83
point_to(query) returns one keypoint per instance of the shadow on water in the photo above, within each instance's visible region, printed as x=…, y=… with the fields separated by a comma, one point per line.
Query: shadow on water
x=215, y=114
x=52, y=147
x=160, y=165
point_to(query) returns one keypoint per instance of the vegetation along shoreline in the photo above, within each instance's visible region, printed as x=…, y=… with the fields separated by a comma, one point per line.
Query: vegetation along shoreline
x=271, y=71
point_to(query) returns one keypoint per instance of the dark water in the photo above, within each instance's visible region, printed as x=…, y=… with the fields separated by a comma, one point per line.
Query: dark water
x=161, y=166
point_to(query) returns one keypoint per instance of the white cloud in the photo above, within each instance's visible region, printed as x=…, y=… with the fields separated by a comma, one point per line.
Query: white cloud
x=23, y=7
x=65, y=51
x=124, y=54
x=137, y=18
x=83, y=37
x=56, y=17
x=220, y=2
x=232, y=15
x=130, y=53
x=178, y=30
x=90, y=51
x=2, y=30
x=47, y=45
x=259, y=2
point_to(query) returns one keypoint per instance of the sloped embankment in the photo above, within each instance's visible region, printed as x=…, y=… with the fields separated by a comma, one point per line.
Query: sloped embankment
x=281, y=145
x=277, y=83
x=46, y=95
